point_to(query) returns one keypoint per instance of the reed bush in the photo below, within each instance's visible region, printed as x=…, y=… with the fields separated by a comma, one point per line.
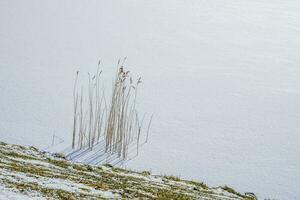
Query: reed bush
x=117, y=122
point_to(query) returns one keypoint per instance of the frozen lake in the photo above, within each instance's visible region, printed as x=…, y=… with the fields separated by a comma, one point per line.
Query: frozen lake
x=221, y=77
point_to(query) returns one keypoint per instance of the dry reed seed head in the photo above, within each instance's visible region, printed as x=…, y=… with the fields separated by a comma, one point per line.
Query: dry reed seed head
x=139, y=80
x=121, y=70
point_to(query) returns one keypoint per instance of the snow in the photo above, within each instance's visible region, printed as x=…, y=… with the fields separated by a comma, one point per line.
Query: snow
x=54, y=183
x=7, y=194
x=221, y=77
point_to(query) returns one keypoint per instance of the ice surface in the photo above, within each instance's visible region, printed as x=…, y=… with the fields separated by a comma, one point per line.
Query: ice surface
x=221, y=77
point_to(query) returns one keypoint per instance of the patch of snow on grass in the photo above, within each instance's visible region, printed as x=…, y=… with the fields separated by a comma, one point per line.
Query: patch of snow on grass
x=7, y=194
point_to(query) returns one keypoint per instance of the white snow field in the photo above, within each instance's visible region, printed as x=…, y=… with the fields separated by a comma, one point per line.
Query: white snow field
x=221, y=77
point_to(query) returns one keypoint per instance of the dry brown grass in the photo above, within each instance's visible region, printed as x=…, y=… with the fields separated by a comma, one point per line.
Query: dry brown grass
x=117, y=121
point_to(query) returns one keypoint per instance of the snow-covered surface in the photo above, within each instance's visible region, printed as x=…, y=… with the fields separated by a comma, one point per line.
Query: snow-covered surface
x=221, y=77
x=7, y=194
x=28, y=173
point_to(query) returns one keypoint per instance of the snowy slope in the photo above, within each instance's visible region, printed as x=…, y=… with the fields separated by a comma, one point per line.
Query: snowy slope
x=221, y=77
x=27, y=173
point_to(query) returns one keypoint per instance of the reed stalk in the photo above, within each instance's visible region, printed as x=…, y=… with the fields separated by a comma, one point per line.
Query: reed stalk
x=117, y=122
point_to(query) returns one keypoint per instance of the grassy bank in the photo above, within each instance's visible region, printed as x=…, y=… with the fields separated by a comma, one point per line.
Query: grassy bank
x=28, y=172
